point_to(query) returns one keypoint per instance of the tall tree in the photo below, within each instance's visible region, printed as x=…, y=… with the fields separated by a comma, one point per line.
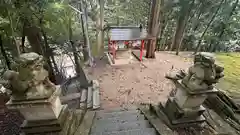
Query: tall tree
x=85, y=51
x=23, y=40
x=33, y=34
x=48, y=54
x=153, y=28
x=84, y=21
x=208, y=25
x=99, y=25
x=3, y=51
x=45, y=47
x=181, y=24
x=224, y=25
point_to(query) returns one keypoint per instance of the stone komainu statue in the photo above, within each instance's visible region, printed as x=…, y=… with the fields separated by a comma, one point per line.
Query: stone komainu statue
x=202, y=75
x=29, y=80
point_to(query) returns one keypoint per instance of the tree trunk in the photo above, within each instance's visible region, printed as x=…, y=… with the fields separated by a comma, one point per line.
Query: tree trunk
x=23, y=40
x=99, y=24
x=177, y=39
x=35, y=41
x=163, y=46
x=34, y=37
x=197, y=22
x=208, y=25
x=17, y=47
x=118, y=21
x=84, y=20
x=12, y=37
x=167, y=41
x=153, y=28
x=74, y=50
x=161, y=26
x=76, y=59
x=197, y=9
x=159, y=35
x=85, y=51
x=48, y=54
x=3, y=51
x=164, y=28
x=181, y=25
x=214, y=48
x=78, y=68
x=31, y=31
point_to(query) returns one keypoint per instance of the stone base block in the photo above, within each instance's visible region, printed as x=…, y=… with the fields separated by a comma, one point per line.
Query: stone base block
x=185, y=100
x=45, y=126
x=179, y=84
x=38, y=110
x=177, y=115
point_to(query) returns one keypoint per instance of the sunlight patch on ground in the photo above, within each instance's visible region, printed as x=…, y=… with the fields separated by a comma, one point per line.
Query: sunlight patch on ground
x=231, y=63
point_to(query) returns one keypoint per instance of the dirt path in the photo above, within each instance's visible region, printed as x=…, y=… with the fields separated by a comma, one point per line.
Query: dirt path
x=130, y=84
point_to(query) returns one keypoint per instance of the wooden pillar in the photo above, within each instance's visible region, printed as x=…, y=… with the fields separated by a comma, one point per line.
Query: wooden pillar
x=153, y=27
x=114, y=51
x=109, y=45
x=141, y=49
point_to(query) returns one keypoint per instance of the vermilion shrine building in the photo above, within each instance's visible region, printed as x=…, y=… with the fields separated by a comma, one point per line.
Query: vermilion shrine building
x=124, y=38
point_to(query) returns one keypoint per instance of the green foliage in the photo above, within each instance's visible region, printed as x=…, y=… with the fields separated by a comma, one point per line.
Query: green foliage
x=57, y=16
x=3, y=22
x=222, y=31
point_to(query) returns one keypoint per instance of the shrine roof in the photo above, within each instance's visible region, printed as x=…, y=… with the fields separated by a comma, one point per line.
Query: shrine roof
x=126, y=33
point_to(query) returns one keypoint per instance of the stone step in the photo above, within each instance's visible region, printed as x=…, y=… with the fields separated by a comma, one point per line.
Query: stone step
x=110, y=127
x=120, y=109
x=144, y=131
x=103, y=115
x=128, y=116
x=70, y=97
x=124, y=119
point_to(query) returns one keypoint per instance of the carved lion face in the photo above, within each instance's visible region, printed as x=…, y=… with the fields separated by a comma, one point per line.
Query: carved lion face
x=205, y=59
x=38, y=71
x=30, y=67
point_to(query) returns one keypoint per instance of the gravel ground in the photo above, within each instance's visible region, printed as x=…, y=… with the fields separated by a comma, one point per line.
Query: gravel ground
x=124, y=85
x=10, y=122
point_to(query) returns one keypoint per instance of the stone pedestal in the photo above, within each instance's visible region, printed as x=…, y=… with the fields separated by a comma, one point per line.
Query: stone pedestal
x=186, y=98
x=46, y=126
x=177, y=115
x=37, y=98
x=186, y=106
x=41, y=116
